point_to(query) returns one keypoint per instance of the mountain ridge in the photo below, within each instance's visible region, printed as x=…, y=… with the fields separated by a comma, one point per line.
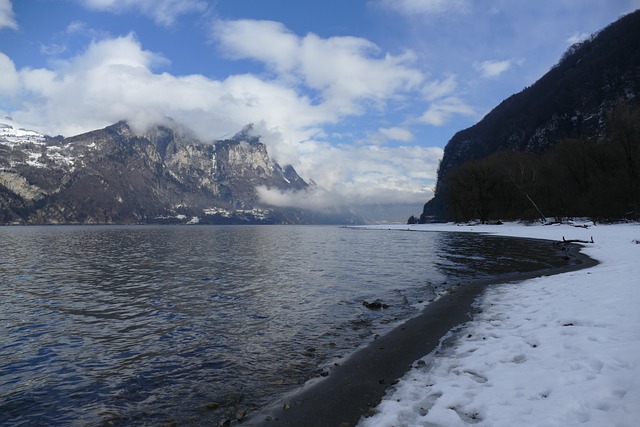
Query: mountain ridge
x=164, y=174
x=571, y=101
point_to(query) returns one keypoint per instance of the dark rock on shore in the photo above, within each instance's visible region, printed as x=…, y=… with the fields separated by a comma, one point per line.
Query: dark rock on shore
x=375, y=305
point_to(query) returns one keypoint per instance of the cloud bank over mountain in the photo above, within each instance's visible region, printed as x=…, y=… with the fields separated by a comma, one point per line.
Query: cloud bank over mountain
x=116, y=78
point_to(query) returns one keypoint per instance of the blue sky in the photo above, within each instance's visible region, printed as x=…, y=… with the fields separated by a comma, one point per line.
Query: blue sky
x=361, y=96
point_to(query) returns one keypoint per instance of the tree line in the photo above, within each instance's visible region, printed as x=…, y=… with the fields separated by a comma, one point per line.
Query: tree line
x=575, y=178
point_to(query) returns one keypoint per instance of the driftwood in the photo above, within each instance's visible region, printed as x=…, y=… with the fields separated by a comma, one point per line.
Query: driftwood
x=576, y=240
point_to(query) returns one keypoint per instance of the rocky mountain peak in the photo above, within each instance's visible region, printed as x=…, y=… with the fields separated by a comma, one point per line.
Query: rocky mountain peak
x=117, y=175
x=247, y=135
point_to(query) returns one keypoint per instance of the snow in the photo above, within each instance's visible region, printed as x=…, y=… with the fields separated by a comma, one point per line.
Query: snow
x=34, y=145
x=552, y=351
x=12, y=135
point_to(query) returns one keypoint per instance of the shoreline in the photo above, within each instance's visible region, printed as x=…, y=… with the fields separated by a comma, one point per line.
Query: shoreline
x=355, y=387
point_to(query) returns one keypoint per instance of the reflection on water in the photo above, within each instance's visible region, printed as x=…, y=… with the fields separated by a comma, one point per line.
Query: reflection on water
x=476, y=256
x=152, y=325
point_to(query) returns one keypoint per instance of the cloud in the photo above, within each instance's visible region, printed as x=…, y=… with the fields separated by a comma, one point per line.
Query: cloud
x=439, y=88
x=114, y=79
x=426, y=7
x=269, y=42
x=7, y=17
x=362, y=175
x=440, y=112
x=83, y=29
x=52, y=49
x=352, y=196
x=62, y=39
x=10, y=81
x=493, y=68
x=344, y=72
x=396, y=134
x=163, y=12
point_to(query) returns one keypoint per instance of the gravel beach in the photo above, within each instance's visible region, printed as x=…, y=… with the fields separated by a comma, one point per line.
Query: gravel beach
x=357, y=385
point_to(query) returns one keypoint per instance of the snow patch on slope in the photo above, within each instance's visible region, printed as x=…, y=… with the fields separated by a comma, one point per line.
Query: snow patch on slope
x=10, y=135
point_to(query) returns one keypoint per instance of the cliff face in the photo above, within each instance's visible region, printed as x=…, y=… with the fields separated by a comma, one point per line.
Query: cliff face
x=114, y=175
x=571, y=101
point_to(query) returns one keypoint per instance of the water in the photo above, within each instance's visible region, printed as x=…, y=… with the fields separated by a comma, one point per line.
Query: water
x=193, y=325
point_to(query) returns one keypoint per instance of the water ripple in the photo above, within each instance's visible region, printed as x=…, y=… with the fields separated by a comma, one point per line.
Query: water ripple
x=151, y=325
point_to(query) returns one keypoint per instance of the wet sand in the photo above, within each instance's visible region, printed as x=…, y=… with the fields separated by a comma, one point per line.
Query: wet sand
x=357, y=385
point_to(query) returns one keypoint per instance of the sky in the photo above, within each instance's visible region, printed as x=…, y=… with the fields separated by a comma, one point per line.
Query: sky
x=360, y=96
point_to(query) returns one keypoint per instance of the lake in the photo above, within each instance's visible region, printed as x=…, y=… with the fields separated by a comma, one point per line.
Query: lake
x=193, y=325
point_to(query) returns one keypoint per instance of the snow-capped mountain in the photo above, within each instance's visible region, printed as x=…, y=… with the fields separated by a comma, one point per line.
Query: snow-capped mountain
x=115, y=175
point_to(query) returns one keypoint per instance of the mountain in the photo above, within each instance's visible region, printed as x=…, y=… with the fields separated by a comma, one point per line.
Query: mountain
x=165, y=175
x=573, y=101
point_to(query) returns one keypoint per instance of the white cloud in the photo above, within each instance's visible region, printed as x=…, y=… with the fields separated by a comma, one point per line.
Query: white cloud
x=412, y=7
x=52, y=49
x=163, y=12
x=396, y=134
x=493, y=68
x=41, y=82
x=10, y=82
x=113, y=79
x=122, y=51
x=344, y=71
x=440, y=88
x=440, y=112
x=7, y=17
x=362, y=175
x=265, y=41
x=83, y=29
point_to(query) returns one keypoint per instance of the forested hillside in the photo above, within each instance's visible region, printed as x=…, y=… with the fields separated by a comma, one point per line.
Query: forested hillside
x=569, y=145
x=576, y=177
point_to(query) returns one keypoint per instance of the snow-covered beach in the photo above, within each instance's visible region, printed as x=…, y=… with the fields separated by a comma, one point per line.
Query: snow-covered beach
x=551, y=351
